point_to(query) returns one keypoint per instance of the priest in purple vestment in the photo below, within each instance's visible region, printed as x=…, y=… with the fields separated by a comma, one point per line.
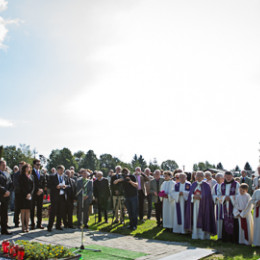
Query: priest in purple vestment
x=199, y=218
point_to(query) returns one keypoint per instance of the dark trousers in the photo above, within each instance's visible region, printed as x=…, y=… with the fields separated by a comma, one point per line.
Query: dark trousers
x=102, y=206
x=131, y=204
x=37, y=201
x=149, y=200
x=68, y=213
x=158, y=211
x=4, y=215
x=16, y=209
x=141, y=198
x=58, y=210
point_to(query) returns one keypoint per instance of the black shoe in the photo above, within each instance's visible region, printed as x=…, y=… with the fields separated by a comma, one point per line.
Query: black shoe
x=6, y=233
x=71, y=227
x=49, y=229
x=16, y=225
x=32, y=227
x=40, y=227
x=86, y=226
x=115, y=221
x=59, y=228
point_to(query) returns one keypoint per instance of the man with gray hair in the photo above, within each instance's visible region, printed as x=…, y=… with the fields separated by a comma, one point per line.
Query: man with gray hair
x=199, y=216
x=216, y=195
x=117, y=194
x=155, y=187
x=210, y=181
x=141, y=178
x=84, y=191
x=101, y=193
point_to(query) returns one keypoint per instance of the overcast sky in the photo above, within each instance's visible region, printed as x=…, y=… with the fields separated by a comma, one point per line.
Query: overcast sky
x=166, y=79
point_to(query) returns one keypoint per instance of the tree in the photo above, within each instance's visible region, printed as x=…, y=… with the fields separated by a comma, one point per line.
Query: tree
x=169, y=165
x=89, y=161
x=247, y=167
x=237, y=169
x=153, y=165
x=14, y=155
x=220, y=166
x=108, y=162
x=63, y=156
x=195, y=167
x=138, y=162
x=79, y=156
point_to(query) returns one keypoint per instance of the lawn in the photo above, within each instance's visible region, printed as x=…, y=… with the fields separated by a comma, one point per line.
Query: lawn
x=149, y=230
x=108, y=253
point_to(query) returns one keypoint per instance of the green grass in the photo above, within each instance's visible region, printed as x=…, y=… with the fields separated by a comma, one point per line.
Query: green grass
x=149, y=230
x=108, y=253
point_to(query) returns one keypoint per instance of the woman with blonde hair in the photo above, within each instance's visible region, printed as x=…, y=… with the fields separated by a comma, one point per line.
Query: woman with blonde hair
x=27, y=187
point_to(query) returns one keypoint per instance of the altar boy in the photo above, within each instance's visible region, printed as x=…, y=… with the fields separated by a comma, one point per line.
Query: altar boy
x=242, y=211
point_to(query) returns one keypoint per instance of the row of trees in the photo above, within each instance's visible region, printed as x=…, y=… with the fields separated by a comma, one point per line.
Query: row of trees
x=90, y=160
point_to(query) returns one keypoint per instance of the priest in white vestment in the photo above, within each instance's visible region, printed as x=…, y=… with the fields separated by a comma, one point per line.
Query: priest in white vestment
x=256, y=203
x=167, y=200
x=180, y=195
x=216, y=195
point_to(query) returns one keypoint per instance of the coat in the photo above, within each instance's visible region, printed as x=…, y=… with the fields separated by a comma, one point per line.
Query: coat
x=153, y=188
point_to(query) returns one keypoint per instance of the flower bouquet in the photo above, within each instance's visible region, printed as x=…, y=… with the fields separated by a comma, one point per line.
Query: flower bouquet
x=162, y=194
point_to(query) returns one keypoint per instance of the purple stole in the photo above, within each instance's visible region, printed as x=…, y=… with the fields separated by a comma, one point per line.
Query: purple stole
x=228, y=215
x=178, y=205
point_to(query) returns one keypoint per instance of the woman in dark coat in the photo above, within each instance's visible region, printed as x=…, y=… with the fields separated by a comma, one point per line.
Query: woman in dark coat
x=26, y=187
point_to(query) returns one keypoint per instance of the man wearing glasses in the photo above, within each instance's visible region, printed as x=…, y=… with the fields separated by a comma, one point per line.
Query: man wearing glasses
x=37, y=198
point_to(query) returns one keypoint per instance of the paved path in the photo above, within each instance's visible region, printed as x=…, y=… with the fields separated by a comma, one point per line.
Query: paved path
x=155, y=249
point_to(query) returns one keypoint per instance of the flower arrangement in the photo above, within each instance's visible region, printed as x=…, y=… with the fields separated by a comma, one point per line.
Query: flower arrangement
x=37, y=251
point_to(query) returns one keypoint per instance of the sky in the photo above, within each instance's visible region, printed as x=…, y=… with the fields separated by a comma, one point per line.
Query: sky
x=168, y=79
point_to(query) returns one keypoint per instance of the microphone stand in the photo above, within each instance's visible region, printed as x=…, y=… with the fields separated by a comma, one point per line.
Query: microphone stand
x=82, y=225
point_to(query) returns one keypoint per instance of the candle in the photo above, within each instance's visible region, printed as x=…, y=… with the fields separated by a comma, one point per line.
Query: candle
x=5, y=246
x=20, y=255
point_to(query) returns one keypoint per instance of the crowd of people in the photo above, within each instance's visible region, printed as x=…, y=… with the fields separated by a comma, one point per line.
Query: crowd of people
x=202, y=203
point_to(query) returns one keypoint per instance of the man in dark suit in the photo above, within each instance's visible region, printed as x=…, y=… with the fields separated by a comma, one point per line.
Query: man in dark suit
x=58, y=185
x=102, y=193
x=5, y=186
x=71, y=196
x=37, y=197
x=245, y=179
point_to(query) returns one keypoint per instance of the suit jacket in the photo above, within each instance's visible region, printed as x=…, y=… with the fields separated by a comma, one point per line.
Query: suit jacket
x=5, y=185
x=88, y=189
x=153, y=188
x=71, y=192
x=38, y=183
x=143, y=179
x=52, y=185
x=101, y=189
x=249, y=182
x=16, y=182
